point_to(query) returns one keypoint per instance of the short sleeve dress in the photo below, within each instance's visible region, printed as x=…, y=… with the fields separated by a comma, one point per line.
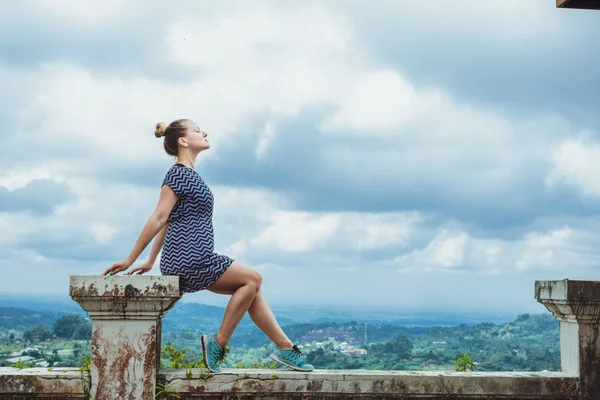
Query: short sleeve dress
x=188, y=249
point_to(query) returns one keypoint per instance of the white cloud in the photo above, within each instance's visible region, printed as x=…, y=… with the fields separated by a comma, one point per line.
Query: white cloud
x=236, y=249
x=99, y=213
x=380, y=102
x=576, y=163
x=30, y=256
x=365, y=231
x=102, y=233
x=277, y=63
x=555, y=250
x=82, y=12
x=20, y=176
x=269, y=229
x=495, y=22
x=446, y=250
x=298, y=231
x=264, y=140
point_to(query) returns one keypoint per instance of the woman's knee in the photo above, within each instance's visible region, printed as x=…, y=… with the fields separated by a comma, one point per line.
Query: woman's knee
x=255, y=279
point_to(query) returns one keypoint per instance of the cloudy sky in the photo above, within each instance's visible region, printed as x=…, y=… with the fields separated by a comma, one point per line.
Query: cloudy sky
x=395, y=154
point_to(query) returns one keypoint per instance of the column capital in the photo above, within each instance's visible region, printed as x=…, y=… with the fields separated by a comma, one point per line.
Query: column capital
x=125, y=296
x=571, y=300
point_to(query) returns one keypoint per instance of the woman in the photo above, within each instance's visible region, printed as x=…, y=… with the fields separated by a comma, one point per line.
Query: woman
x=183, y=221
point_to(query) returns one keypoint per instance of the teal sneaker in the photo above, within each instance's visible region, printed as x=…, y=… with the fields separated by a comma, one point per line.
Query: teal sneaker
x=212, y=353
x=292, y=358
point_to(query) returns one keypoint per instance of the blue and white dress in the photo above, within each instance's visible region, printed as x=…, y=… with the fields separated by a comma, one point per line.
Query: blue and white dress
x=188, y=249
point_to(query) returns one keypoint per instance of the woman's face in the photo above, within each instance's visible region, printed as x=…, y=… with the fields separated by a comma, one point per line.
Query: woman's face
x=196, y=139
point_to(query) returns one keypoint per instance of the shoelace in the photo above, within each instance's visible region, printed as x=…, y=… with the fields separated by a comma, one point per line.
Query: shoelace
x=296, y=352
x=220, y=355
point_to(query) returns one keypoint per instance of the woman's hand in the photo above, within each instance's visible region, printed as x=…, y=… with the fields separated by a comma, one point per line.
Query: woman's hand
x=141, y=269
x=118, y=267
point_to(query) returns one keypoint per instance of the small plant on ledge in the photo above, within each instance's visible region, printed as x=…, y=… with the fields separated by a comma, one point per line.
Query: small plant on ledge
x=166, y=393
x=464, y=363
x=20, y=365
x=85, y=368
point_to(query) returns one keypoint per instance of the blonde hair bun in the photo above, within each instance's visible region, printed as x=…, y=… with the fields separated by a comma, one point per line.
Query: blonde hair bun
x=160, y=130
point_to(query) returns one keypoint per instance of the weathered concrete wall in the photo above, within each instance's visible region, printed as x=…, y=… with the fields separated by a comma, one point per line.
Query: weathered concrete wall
x=69, y=383
x=278, y=384
x=41, y=383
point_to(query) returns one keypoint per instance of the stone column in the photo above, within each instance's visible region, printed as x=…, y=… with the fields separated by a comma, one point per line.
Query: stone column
x=576, y=305
x=126, y=313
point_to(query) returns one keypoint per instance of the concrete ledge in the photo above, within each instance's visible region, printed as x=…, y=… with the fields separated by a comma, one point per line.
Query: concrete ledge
x=34, y=383
x=69, y=383
x=340, y=384
x=129, y=286
x=568, y=290
x=125, y=296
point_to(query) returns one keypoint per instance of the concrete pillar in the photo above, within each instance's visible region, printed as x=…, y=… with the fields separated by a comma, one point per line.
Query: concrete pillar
x=126, y=313
x=576, y=305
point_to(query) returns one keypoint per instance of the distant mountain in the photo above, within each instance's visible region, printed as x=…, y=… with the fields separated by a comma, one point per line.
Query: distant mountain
x=391, y=316
x=197, y=316
x=38, y=302
x=21, y=319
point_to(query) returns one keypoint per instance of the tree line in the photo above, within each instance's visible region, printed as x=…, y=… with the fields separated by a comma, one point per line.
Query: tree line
x=74, y=327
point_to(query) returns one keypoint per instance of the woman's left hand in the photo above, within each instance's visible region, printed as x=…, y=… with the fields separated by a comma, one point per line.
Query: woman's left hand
x=140, y=269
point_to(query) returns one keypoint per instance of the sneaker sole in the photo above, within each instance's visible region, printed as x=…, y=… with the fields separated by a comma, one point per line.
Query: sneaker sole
x=203, y=340
x=275, y=358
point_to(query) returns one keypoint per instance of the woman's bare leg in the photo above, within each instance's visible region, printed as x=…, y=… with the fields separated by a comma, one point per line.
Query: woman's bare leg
x=243, y=284
x=231, y=282
x=263, y=317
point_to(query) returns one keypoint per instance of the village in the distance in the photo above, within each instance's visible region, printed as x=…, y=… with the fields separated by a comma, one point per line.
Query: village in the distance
x=60, y=337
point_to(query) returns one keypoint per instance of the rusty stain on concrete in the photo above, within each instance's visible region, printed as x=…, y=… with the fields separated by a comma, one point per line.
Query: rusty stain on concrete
x=314, y=386
x=130, y=291
x=150, y=360
x=125, y=369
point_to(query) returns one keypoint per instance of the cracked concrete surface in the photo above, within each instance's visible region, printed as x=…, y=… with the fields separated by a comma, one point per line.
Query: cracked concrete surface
x=63, y=383
x=281, y=384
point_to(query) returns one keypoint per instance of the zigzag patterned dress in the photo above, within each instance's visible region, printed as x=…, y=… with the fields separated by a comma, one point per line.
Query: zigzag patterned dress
x=188, y=250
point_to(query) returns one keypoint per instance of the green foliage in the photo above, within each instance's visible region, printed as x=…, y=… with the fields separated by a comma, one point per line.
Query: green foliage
x=256, y=365
x=20, y=365
x=529, y=343
x=464, y=363
x=72, y=327
x=37, y=334
x=86, y=378
x=165, y=392
x=85, y=364
x=178, y=358
x=82, y=332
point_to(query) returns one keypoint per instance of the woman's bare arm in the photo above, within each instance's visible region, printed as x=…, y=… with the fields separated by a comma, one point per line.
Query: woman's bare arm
x=153, y=226
x=158, y=243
